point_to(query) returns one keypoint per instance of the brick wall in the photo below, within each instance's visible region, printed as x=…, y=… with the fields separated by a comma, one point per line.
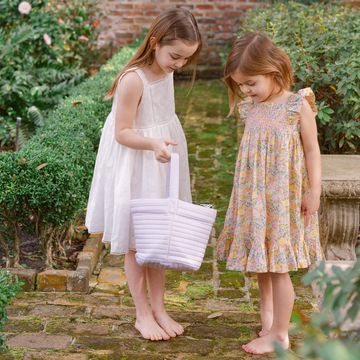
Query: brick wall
x=218, y=21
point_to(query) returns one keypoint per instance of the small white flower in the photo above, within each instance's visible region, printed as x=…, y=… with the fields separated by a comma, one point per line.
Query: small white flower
x=47, y=39
x=24, y=7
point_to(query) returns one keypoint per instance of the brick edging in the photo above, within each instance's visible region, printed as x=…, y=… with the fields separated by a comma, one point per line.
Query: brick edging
x=64, y=280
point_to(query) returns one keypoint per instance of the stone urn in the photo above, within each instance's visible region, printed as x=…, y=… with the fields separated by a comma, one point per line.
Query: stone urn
x=339, y=206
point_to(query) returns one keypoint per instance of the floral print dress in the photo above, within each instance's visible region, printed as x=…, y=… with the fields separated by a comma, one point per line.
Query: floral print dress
x=264, y=228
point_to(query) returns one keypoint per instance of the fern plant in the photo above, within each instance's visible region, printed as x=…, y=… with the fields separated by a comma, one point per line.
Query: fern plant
x=33, y=78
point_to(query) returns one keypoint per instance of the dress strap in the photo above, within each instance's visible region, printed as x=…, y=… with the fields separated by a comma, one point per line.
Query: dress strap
x=244, y=107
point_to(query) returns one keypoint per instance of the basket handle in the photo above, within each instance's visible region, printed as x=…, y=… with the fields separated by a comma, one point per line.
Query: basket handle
x=172, y=177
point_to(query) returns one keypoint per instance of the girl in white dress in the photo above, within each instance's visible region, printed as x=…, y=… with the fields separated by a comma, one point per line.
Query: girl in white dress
x=136, y=143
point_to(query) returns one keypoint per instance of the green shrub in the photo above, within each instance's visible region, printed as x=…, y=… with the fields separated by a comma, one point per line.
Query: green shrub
x=80, y=18
x=323, y=336
x=8, y=290
x=323, y=42
x=32, y=75
x=45, y=185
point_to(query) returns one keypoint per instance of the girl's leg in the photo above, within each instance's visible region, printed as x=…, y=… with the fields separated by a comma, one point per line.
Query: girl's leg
x=145, y=322
x=156, y=283
x=266, y=302
x=283, y=299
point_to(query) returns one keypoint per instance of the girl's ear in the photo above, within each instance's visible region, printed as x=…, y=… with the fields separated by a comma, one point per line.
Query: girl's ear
x=152, y=39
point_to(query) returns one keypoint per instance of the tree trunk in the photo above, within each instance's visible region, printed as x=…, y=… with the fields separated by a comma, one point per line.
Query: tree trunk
x=9, y=259
x=46, y=246
x=17, y=237
x=58, y=249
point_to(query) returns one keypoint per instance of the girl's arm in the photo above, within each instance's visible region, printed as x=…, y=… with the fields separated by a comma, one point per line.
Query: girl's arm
x=130, y=92
x=309, y=138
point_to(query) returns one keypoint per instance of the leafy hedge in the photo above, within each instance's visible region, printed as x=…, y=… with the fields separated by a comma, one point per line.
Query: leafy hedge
x=325, y=337
x=323, y=42
x=46, y=184
x=9, y=286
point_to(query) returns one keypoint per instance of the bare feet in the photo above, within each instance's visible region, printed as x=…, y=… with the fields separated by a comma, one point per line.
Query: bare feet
x=263, y=332
x=265, y=344
x=150, y=329
x=168, y=324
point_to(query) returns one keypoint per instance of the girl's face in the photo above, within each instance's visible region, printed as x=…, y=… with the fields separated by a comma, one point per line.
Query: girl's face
x=258, y=87
x=175, y=56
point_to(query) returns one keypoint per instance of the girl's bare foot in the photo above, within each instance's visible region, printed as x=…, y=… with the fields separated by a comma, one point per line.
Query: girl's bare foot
x=265, y=344
x=150, y=329
x=263, y=332
x=168, y=324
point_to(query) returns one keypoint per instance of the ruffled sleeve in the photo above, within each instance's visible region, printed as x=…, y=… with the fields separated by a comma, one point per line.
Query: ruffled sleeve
x=308, y=94
x=244, y=107
x=296, y=101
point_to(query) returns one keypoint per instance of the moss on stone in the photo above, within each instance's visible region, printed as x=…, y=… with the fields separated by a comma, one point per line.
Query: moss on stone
x=246, y=307
x=172, y=279
x=221, y=265
x=22, y=325
x=205, y=273
x=232, y=279
x=254, y=292
x=199, y=291
x=231, y=294
x=209, y=253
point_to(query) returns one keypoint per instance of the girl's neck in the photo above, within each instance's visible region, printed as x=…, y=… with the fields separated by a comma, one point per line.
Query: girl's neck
x=153, y=72
x=280, y=98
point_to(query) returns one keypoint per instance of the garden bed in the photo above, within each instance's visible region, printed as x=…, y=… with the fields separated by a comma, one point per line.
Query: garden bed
x=31, y=256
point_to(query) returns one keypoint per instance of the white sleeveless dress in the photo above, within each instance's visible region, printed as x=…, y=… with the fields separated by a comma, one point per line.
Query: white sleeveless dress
x=122, y=173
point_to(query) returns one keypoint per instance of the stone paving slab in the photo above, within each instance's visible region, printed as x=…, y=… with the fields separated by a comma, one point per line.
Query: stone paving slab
x=112, y=276
x=40, y=341
x=61, y=356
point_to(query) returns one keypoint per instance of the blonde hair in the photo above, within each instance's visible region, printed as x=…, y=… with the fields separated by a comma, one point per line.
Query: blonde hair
x=255, y=54
x=171, y=25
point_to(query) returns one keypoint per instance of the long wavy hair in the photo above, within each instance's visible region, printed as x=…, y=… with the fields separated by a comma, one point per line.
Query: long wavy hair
x=171, y=25
x=255, y=54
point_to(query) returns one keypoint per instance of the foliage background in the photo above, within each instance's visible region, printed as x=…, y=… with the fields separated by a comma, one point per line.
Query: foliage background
x=45, y=185
x=323, y=43
x=9, y=286
x=35, y=76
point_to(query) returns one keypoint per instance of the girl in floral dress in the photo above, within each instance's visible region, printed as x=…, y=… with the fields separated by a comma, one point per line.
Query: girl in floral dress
x=271, y=225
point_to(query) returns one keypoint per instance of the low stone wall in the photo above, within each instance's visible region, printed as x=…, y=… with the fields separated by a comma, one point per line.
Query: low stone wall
x=64, y=280
x=339, y=213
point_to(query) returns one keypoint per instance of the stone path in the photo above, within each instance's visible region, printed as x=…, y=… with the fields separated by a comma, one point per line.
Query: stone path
x=218, y=308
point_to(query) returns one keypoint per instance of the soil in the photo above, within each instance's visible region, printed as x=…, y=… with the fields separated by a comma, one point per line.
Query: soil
x=7, y=148
x=31, y=256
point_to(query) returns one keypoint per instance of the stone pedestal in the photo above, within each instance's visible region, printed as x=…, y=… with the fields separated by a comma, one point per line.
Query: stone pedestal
x=339, y=206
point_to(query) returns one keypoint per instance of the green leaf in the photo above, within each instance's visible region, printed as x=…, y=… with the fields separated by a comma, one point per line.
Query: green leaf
x=333, y=350
x=78, y=19
x=341, y=142
x=35, y=116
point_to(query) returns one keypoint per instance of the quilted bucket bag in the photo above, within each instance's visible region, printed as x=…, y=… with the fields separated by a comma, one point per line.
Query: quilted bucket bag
x=171, y=234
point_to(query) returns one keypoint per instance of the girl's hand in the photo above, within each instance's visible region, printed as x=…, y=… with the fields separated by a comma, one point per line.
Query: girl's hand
x=309, y=206
x=162, y=153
